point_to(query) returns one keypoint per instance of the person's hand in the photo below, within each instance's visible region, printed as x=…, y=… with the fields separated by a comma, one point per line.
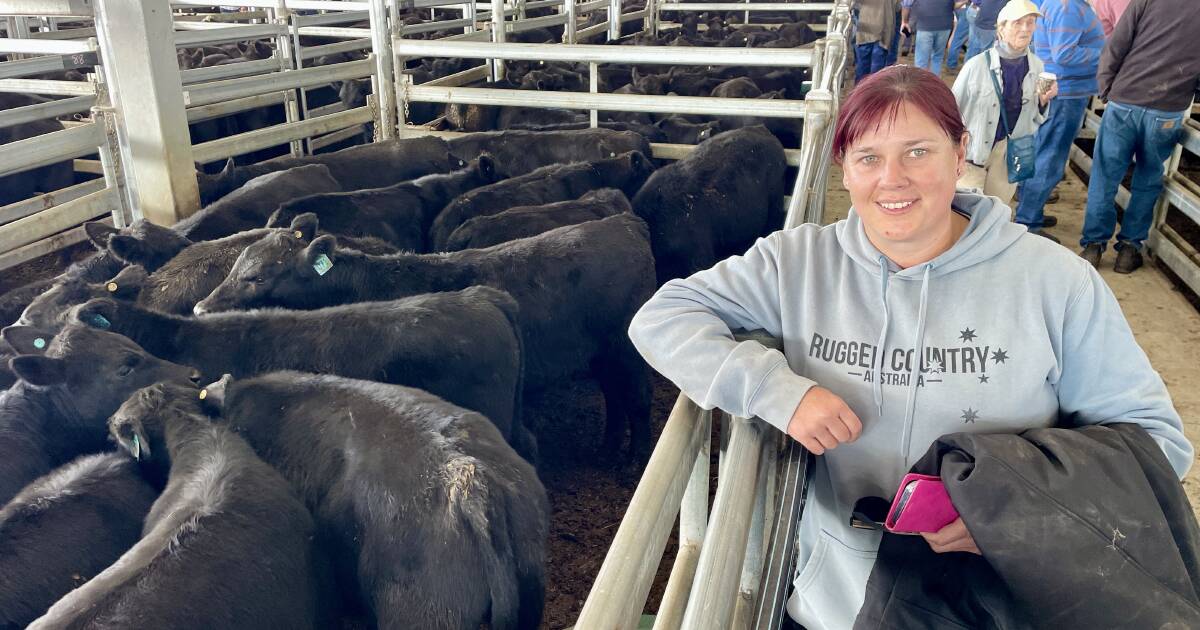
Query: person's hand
x=1049, y=94
x=822, y=421
x=953, y=537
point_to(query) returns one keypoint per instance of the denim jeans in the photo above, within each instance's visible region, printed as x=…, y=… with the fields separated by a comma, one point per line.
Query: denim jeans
x=1054, y=140
x=893, y=53
x=962, y=29
x=868, y=58
x=931, y=50
x=1129, y=132
x=981, y=40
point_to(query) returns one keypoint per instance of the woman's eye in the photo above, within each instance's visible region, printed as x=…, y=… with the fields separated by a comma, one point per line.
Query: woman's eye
x=919, y=152
x=869, y=159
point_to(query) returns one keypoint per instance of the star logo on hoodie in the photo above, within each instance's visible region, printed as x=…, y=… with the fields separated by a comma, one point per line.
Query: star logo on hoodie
x=970, y=415
x=999, y=356
x=967, y=335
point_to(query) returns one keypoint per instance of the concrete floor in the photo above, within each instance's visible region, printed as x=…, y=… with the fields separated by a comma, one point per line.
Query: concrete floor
x=1165, y=324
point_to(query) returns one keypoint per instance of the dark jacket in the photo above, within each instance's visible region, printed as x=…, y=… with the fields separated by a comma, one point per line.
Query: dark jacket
x=1152, y=59
x=1079, y=528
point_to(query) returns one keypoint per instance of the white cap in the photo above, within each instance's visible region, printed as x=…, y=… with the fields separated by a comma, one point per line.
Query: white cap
x=1017, y=9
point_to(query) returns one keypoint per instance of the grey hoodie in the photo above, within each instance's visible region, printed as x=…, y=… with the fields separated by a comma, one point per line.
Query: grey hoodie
x=1015, y=332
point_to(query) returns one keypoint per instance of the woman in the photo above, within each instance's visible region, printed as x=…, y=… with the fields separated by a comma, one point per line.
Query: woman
x=915, y=270
x=1015, y=68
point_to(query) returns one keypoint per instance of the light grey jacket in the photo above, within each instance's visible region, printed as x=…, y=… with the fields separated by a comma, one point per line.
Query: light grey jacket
x=1003, y=332
x=980, y=107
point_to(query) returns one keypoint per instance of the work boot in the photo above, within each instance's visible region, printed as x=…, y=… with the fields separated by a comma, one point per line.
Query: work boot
x=1044, y=234
x=1092, y=253
x=1129, y=258
x=1049, y=220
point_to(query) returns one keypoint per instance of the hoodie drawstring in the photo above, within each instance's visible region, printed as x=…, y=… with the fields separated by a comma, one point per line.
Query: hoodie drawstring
x=914, y=370
x=877, y=381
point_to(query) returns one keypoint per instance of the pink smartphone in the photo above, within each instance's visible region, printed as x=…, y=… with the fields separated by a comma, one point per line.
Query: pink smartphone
x=921, y=505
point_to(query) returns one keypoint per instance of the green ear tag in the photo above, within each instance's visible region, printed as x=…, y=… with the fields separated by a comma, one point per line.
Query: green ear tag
x=39, y=343
x=99, y=321
x=322, y=265
x=137, y=447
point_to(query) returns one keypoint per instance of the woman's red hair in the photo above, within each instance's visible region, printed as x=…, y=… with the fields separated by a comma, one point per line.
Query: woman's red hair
x=877, y=101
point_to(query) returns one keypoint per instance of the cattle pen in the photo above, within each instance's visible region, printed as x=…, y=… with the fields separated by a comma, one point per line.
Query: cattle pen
x=130, y=145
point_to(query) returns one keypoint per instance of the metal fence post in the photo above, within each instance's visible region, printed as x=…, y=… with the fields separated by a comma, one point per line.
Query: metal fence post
x=143, y=80
x=381, y=43
x=498, y=37
x=614, y=20
x=569, y=30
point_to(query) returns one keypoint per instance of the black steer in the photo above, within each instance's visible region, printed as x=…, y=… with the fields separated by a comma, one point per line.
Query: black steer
x=463, y=345
x=434, y=519
x=520, y=152
x=713, y=203
x=577, y=286
x=560, y=182
x=226, y=545
x=66, y=527
x=401, y=214
x=249, y=207
x=56, y=412
x=524, y=221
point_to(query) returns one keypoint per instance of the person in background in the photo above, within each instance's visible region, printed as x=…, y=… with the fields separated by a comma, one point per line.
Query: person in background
x=983, y=27
x=1148, y=75
x=1012, y=66
x=932, y=20
x=873, y=37
x=869, y=310
x=958, y=39
x=1068, y=43
x=894, y=52
x=1109, y=12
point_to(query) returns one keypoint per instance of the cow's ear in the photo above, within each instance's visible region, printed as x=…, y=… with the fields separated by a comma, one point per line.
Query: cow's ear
x=127, y=284
x=99, y=233
x=97, y=313
x=637, y=161
x=227, y=171
x=487, y=165
x=128, y=248
x=27, y=339
x=276, y=219
x=304, y=226
x=212, y=396
x=39, y=370
x=320, y=254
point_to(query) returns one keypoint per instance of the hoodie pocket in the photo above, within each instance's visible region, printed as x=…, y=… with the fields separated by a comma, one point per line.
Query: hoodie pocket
x=830, y=589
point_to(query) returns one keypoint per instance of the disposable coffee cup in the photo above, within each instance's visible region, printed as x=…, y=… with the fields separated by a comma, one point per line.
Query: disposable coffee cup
x=1044, y=81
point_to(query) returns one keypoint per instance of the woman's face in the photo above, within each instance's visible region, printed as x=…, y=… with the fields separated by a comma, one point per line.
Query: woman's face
x=901, y=179
x=1018, y=33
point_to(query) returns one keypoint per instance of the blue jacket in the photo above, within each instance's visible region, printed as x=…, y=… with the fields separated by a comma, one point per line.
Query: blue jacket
x=1069, y=40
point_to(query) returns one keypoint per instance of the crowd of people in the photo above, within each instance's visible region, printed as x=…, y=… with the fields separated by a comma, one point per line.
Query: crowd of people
x=1029, y=70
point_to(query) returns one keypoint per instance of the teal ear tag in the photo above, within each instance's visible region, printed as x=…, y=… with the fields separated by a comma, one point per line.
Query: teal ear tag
x=322, y=265
x=39, y=343
x=137, y=447
x=99, y=321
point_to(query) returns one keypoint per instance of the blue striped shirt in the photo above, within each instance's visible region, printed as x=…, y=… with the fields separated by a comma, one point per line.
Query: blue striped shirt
x=1069, y=40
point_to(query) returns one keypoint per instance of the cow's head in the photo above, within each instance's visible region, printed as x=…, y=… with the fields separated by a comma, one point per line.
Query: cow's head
x=280, y=268
x=95, y=369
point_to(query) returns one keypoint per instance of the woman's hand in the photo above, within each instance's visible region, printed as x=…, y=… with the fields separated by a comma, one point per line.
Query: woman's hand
x=822, y=421
x=1049, y=94
x=953, y=537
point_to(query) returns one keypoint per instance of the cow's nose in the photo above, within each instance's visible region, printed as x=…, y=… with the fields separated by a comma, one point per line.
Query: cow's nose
x=195, y=377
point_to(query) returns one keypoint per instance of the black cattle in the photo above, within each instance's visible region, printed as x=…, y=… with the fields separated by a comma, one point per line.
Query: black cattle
x=650, y=132
x=577, y=287
x=94, y=268
x=142, y=243
x=66, y=527
x=56, y=412
x=463, y=346
x=367, y=166
x=549, y=184
x=433, y=517
x=520, y=152
x=249, y=206
x=526, y=221
x=175, y=287
x=226, y=545
x=44, y=179
x=713, y=203
x=680, y=131
x=401, y=214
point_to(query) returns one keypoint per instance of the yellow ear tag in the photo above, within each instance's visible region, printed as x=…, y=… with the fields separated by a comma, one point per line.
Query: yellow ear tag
x=298, y=234
x=111, y=286
x=203, y=394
